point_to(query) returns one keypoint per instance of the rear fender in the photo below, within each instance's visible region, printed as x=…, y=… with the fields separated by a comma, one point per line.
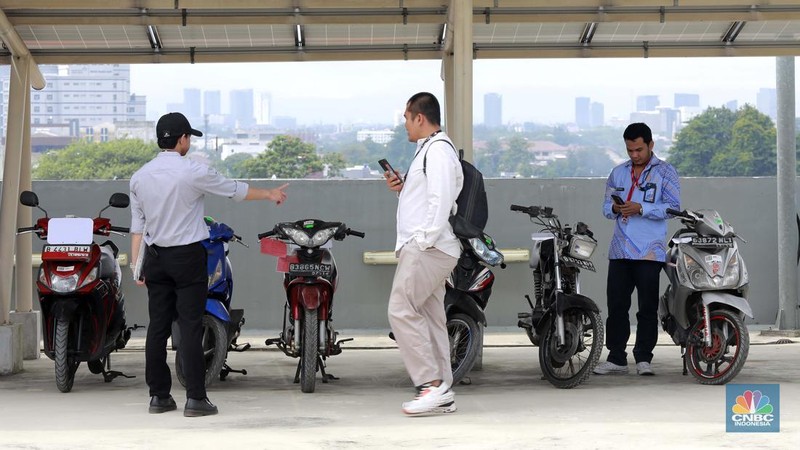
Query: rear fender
x=316, y=295
x=460, y=302
x=217, y=309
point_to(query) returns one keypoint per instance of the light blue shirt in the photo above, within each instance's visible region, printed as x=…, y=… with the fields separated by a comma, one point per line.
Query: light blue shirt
x=642, y=237
x=167, y=194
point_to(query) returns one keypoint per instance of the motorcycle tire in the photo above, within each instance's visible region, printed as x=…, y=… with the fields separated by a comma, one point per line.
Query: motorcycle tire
x=714, y=365
x=466, y=340
x=310, y=351
x=215, y=350
x=570, y=365
x=65, y=364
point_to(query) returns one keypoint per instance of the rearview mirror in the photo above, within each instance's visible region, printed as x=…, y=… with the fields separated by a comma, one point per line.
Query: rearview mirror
x=29, y=198
x=119, y=200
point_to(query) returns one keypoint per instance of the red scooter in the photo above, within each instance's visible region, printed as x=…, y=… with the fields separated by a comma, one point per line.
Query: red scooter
x=82, y=306
x=310, y=278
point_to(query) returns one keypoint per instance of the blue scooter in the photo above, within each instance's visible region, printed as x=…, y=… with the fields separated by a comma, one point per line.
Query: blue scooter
x=221, y=324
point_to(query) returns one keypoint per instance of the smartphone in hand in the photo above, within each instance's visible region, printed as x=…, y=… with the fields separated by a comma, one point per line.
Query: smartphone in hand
x=388, y=168
x=617, y=199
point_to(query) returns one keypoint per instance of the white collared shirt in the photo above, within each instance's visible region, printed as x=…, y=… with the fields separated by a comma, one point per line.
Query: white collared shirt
x=168, y=194
x=427, y=200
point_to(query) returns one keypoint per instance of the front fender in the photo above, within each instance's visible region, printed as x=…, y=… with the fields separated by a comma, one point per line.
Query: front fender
x=725, y=298
x=566, y=302
x=215, y=308
x=456, y=301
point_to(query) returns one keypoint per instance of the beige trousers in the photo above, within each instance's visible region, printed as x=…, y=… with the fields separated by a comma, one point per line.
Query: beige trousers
x=416, y=313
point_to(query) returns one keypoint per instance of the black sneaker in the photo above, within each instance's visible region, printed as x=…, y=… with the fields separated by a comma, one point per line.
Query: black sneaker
x=161, y=405
x=199, y=408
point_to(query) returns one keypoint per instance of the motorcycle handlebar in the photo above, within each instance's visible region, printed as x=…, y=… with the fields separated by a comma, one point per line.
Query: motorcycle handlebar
x=355, y=233
x=266, y=234
x=518, y=208
x=677, y=213
x=532, y=211
x=27, y=229
x=120, y=229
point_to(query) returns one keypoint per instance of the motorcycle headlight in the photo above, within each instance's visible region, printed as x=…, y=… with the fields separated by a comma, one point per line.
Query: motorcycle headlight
x=64, y=284
x=697, y=274
x=322, y=236
x=731, y=278
x=581, y=246
x=216, y=275
x=297, y=236
x=482, y=251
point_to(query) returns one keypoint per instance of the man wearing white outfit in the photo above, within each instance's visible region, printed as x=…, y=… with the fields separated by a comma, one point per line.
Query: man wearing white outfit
x=427, y=252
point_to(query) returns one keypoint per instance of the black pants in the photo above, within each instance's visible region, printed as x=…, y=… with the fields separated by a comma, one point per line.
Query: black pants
x=177, y=287
x=623, y=276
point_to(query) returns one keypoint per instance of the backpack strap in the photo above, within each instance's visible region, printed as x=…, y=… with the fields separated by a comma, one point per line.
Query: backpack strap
x=425, y=156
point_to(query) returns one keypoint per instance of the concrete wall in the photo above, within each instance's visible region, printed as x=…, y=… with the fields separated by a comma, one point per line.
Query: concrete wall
x=749, y=204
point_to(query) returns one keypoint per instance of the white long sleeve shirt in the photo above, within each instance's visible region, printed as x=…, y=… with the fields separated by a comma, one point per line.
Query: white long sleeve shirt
x=427, y=200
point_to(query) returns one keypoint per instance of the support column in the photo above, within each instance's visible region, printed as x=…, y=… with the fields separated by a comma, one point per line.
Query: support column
x=787, y=175
x=462, y=76
x=18, y=97
x=449, y=96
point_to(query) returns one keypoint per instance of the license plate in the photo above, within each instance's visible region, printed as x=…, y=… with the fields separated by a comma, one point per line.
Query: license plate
x=579, y=263
x=310, y=270
x=712, y=241
x=66, y=252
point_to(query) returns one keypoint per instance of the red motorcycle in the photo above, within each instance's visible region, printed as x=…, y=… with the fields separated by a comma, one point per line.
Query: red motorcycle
x=310, y=278
x=82, y=306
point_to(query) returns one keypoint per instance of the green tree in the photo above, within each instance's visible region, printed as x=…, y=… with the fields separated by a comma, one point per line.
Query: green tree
x=232, y=165
x=335, y=163
x=721, y=142
x=516, y=158
x=288, y=157
x=95, y=160
x=399, y=151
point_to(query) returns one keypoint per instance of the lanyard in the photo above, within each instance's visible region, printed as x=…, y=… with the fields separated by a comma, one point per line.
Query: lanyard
x=422, y=146
x=635, y=181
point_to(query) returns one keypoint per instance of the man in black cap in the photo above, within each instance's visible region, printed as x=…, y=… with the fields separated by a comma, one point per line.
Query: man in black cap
x=167, y=213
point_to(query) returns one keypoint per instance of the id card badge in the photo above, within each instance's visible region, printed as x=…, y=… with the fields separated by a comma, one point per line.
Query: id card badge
x=649, y=192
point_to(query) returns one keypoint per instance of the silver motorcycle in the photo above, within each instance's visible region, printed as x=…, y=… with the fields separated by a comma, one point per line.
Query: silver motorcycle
x=704, y=306
x=565, y=325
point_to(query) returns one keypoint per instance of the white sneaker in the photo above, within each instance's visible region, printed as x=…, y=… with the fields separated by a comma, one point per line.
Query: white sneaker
x=609, y=368
x=643, y=368
x=432, y=399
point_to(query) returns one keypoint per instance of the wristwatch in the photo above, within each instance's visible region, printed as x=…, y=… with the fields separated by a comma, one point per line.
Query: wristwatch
x=641, y=211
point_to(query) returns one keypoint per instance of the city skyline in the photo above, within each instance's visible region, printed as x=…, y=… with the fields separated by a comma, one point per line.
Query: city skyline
x=541, y=91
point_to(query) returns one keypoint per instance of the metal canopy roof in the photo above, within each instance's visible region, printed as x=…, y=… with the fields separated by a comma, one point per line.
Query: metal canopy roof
x=181, y=31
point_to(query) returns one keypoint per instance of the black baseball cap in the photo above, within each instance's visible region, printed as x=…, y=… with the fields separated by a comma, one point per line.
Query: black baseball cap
x=174, y=124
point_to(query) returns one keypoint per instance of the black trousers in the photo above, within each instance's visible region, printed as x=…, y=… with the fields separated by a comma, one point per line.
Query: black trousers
x=623, y=276
x=177, y=287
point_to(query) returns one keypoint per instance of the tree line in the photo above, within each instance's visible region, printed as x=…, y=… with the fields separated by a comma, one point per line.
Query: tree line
x=719, y=143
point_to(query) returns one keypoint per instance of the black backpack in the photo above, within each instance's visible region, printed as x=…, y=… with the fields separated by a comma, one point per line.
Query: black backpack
x=472, y=209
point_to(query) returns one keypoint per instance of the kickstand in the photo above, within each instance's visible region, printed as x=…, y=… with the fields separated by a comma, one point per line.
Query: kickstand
x=109, y=374
x=325, y=376
x=226, y=369
x=683, y=358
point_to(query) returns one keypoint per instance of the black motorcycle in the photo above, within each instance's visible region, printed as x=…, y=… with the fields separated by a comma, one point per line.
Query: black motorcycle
x=565, y=325
x=468, y=289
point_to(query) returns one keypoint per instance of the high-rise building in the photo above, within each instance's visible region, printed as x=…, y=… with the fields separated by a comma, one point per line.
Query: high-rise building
x=242, y=109
x=192, y=106
x=583, y=113
x=80, y=96
x=212, y=103
x=264, y=109
x=692, y=100
x=598, y=114
x=767, y=102
x=493, y=110
x=647, y=103
x=733, y=105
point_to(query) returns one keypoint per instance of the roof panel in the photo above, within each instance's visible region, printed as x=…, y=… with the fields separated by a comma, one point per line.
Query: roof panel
x=370, y=34
x=222, y=36
x=526, y=33
x=770, y=31
x=686, y=32
x=43, y=37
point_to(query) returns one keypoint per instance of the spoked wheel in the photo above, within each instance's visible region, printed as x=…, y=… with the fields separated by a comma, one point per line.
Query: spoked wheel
x=566, y=366
x=730, y=343
x=66, y=365
x=466, y=338
x=310, y=342
x=215, y=350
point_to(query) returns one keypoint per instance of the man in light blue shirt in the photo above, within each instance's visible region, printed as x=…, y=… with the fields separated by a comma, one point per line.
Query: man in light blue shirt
x=638, y=193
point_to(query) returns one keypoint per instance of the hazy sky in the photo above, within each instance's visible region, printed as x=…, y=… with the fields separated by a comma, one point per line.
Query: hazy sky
x=540, y=90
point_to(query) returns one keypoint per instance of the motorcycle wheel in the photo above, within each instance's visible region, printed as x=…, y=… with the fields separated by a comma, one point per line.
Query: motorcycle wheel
x=215, y=350
x=466, y=338
x=569, y=365
x=310, y=341
x=730, y=344
x=65, y=364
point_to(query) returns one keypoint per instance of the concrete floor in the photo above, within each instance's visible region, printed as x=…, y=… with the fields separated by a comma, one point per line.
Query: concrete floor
x=506, y=405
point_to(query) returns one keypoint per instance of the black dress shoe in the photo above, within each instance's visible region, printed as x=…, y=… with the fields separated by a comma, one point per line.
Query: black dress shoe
x=162, y=405
x=199, y=407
